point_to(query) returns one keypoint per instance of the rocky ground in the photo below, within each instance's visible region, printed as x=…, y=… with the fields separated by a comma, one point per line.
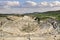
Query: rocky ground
x=27, y=28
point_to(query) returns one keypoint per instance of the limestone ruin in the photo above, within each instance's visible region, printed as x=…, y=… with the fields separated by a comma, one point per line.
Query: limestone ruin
x=26, y=28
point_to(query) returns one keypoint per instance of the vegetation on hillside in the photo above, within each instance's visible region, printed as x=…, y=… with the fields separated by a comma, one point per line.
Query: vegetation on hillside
x=43, y=15
x=49, y=14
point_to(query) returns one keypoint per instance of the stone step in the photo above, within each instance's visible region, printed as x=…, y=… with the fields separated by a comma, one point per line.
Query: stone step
x=25, y=38
x=14, y=38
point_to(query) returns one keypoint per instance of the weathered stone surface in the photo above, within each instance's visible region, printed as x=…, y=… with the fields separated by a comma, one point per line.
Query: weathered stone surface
x=26, y=28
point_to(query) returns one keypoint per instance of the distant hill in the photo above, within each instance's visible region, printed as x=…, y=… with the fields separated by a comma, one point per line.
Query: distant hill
x=47, y=14
x=41, y=15
x=54, y=12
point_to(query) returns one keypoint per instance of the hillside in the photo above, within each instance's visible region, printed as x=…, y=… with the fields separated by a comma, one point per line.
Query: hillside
x=48, y=14
x=42, y=15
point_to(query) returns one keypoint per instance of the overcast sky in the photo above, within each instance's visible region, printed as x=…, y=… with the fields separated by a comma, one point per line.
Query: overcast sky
x=28, y=6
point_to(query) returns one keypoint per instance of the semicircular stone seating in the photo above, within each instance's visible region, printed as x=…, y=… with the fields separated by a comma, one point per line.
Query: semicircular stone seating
x=24, y=26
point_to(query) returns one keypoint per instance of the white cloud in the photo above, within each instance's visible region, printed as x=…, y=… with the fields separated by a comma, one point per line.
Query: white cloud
x=27, y=10
x=13, y=3
x=56, y=3
x=9, y=4
x=50, y=4
x=43, y=4
x=30, y=4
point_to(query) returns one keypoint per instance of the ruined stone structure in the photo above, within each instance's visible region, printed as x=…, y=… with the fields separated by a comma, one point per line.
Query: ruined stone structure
x=26, y=28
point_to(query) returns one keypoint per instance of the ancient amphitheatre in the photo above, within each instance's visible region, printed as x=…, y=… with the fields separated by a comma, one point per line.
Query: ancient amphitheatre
x=27, y=28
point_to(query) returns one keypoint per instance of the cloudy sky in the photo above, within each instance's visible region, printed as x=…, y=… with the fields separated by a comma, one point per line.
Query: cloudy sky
x=28, y=6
